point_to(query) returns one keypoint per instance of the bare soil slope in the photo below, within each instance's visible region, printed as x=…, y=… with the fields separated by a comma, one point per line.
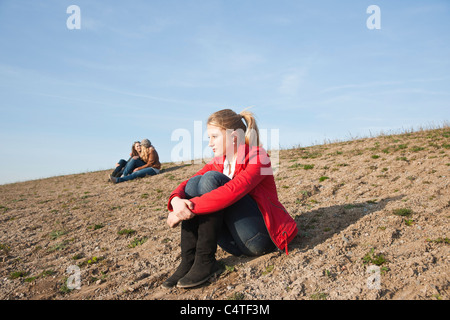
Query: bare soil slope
x=373, y=217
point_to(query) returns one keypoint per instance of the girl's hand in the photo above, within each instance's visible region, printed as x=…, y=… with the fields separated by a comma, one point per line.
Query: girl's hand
x=182, y=208
x=173, y=220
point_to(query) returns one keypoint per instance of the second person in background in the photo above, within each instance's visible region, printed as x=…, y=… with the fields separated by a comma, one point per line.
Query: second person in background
x=147, y=164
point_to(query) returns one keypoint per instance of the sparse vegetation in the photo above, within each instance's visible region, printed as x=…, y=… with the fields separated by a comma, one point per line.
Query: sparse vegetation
x=319, y=296
x=439, y=240
x=237, y=296
x=4, y=248
x=137, y=242
x=404, y=212
x=55, y=234
x=372, y=258
x=126, y=232
x=384, y=204
x=18, y=274
x=268, y=270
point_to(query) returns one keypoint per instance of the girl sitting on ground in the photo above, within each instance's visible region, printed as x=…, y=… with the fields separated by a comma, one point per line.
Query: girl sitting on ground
x=135, y=149
x=232, y=202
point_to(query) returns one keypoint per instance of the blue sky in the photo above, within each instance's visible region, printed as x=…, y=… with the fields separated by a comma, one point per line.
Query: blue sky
x=74, y=100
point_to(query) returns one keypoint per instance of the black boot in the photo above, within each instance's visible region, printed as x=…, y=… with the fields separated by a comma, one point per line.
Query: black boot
x=188, y=247
x=205, y=265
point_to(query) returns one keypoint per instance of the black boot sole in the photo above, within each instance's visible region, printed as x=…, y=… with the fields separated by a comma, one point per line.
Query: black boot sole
x=219, y=270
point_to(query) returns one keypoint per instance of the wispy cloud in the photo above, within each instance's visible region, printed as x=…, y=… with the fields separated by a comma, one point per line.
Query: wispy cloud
x=361, y=85
x=375, y=84
x=291, y=84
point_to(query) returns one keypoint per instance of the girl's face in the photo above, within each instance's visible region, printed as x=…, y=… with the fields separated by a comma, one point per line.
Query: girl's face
x=220, y=140
x=137, y=146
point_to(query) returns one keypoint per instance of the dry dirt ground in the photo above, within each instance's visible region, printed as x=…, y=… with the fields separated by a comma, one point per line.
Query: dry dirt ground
x=373, y=218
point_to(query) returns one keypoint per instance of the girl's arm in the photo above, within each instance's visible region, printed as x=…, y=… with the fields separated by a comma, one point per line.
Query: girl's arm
x=179, y=191
x=238, y=187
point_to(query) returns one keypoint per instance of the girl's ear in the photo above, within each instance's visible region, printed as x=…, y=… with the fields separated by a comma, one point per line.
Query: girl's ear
x=234, y=136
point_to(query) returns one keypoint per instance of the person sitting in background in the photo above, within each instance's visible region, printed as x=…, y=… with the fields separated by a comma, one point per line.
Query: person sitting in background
x=120, y=166
x=147, y=165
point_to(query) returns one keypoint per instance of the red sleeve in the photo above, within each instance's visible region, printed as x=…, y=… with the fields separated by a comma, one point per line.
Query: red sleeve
x=244, y=182
x=179, y=191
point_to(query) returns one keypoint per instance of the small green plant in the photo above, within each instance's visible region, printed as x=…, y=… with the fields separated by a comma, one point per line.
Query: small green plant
x=43, y=274
x=96, y=226
x=375, y=156
x=230, y=269
x=46, y=273
x=56, y=234
x=437, y=296
x=268, y=270
x=312, y=155
x=439, y=240
x=296, y=165
x=417, y=149
x=236, y=296
x=17, y=274
x=64, y=288
x=342, y=165
x=126, y=232
x=371, y=258
x=323, y=178
x=59, y=246
x=308, y=166
x=409, y=222
x=94, y=260
x=144, y=195
x=77, y=256
x=137, y=242
x=403, y=212
x=319, y=296
x=4, y=248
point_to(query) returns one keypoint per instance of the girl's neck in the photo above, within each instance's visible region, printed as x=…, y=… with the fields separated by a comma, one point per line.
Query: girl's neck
x=234, y=154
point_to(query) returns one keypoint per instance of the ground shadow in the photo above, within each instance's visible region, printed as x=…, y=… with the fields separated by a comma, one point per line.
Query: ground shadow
x=317, y=226
x=164, y=170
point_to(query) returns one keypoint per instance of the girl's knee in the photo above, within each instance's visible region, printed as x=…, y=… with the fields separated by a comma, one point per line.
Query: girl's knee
x=211, y=180
x=191, y=189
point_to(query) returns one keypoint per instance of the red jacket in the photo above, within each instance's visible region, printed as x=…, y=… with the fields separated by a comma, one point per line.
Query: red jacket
x=253, y=175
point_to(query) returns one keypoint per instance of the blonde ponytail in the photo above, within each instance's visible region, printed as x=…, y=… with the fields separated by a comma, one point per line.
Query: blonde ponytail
x=252, y=131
